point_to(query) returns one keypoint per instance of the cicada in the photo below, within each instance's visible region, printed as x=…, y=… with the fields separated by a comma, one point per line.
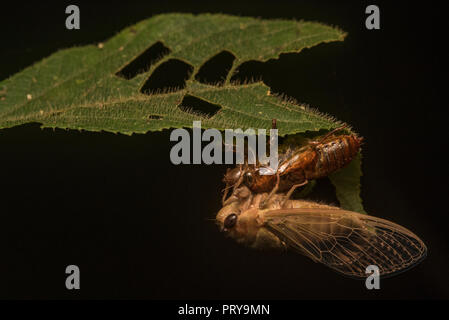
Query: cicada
x=317, y=159
x=345, y=241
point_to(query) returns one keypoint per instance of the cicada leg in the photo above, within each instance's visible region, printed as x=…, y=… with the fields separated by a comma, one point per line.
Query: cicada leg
x=290, y=192
x=233, y=186
x=226, y=190
x=272, y=193
x=240, y=180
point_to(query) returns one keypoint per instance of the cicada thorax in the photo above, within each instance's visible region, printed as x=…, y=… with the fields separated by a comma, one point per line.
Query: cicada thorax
x=290, y=158
x=259, y=183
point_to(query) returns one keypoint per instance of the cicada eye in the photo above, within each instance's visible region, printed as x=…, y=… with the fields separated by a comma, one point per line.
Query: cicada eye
x=249, y=178
x=230, y=221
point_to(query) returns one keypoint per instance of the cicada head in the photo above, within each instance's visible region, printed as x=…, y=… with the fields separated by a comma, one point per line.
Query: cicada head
x=246, y=226
x=232, y=176
x=238, y=175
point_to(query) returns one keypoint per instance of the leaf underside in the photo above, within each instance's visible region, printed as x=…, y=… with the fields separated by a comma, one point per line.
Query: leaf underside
x=94, y=87
x=347, y=185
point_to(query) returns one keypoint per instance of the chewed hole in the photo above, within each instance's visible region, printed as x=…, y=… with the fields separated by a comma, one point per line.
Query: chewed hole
x=193, y=104
x=144, y=61
x=308, y=74
x=249, y=71
x=216, y=69
x=154, y=117
x=169, y=76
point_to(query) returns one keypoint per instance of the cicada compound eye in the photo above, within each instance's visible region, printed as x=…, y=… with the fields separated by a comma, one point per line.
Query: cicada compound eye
x=249, y=178
x=230, y=221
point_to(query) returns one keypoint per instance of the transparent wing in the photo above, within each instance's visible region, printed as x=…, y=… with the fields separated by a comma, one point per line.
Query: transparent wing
x=347, y=241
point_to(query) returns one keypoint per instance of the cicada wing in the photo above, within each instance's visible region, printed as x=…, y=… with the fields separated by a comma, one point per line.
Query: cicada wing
x=346, y=241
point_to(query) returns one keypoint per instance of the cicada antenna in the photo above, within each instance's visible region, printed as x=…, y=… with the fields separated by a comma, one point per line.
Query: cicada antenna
x=225, y=194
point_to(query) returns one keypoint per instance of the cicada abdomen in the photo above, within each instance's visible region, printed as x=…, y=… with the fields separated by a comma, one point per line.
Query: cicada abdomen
x=333, y=154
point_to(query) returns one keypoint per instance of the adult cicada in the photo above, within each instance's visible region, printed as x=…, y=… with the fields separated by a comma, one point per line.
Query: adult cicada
x=345, y=241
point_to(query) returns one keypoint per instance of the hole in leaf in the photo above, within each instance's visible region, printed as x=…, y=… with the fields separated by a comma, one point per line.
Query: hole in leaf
x=143, y=62
x=170, y=75
x=193, y=104
x=249, y=71
x=154, y=117
x=313, y=76
x=215, y=70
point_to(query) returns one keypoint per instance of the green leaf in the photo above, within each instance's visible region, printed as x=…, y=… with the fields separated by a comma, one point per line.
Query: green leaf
x=347, y=185
x=85, y=88
x=81, y=88
x=307, y=189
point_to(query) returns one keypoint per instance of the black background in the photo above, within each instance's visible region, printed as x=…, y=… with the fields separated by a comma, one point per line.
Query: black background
x=137, y=226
